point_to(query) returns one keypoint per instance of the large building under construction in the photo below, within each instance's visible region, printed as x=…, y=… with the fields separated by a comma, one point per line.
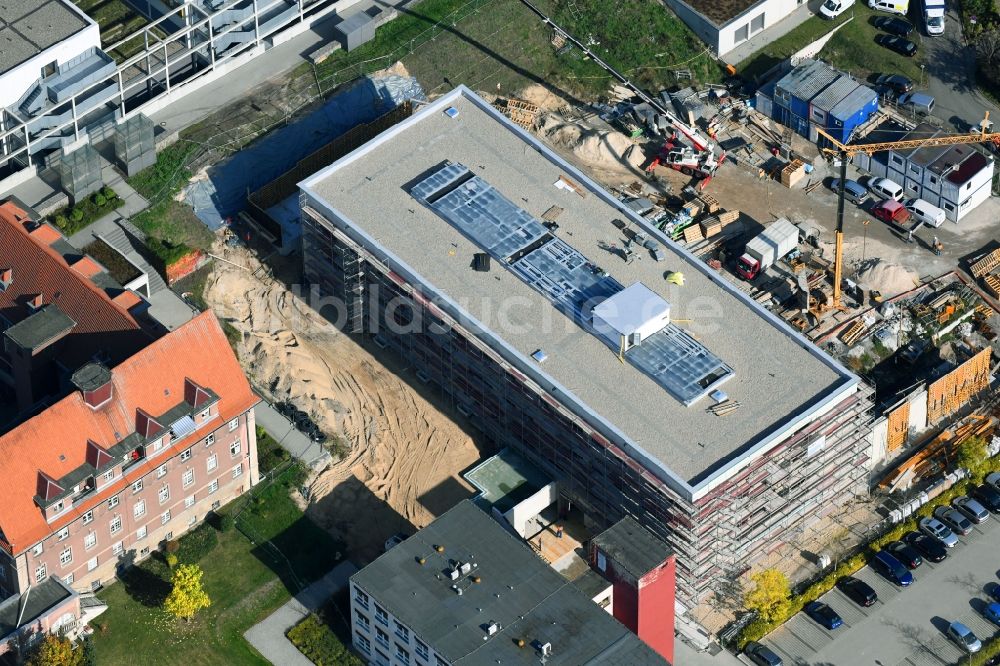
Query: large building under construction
x=502, y=275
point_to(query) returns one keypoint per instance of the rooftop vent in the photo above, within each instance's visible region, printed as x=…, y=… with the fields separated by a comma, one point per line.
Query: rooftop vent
x=631, y=315
x=36, y=302
x=454, y=574
x=481, y=262
x=94, y=382
x=492, y=628
x=465, y=568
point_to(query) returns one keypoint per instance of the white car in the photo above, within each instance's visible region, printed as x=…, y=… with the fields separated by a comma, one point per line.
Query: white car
x=831, y=9
x=935, y=528
x=886, y=189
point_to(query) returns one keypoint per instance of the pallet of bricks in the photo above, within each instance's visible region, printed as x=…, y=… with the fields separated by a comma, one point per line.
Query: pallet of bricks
x=713, y=225
x=985, y=269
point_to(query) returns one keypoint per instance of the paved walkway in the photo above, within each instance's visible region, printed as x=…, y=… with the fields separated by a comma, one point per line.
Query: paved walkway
x=287, y=435
x=268, y=636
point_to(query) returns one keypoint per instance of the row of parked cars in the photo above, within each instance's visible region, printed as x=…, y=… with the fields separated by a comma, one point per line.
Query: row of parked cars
x=302, y=421
x=892, y=208
x=896, y=560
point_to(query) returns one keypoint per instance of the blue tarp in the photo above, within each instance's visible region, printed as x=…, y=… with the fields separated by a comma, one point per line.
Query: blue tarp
x=224, y=192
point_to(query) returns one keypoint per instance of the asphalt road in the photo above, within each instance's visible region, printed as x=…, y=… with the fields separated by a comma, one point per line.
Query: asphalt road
x=905, y=626
x=950, y=76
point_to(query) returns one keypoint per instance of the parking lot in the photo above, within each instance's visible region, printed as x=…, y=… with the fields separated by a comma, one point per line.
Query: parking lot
x=906, y=625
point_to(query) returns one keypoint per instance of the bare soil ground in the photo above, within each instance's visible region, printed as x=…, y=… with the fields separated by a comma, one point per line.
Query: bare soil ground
x=403, y=454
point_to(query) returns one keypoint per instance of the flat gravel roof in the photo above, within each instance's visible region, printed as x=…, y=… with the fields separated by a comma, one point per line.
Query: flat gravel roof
x=28, y=27
x=780, y=377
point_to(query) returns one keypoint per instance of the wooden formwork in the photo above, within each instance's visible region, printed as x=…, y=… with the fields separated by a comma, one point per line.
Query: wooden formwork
x=986, y=265
x=950, y=393
x=899, y=427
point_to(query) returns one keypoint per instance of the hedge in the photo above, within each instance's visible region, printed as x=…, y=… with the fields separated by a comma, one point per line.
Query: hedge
x=759, y=628
x=197, y=543
x=317, y=642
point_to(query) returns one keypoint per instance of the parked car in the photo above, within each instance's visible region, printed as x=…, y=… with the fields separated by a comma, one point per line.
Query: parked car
x=918, y=102
x=853, y=191
x=972, y=509
x=891, y=6
x=962, y=635
x=988, y=496
x=898, y=83
x=831, y=9
x=857, y=590
x=893, y=25
x=824, y=615
x=906, y=554
x=886, y=189
x=995, y=591
x=928, y=546
x=891, y=568
x=991, y=612
x=939, y=531
x=994, y=480
x=898, y=44
x=924, y=212
x=893, y=213
x=761, y=654
x=953, y=519
x=395, y=540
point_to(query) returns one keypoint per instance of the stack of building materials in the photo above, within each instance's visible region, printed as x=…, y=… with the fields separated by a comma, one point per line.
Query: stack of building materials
x=984, y=269
x=793, y=173
x=521, y=112
x=713, y=225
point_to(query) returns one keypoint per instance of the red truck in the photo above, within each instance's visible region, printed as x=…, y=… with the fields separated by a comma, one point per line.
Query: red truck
x=892, y=212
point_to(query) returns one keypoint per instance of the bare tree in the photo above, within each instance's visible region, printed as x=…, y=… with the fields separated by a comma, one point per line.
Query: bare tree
x=988, y=45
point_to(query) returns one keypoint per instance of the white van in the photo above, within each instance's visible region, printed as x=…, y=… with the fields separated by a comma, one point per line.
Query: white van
x=892, y=6
x=930, y=215
x=934, y=17
x=833, y=8
x=886, y=189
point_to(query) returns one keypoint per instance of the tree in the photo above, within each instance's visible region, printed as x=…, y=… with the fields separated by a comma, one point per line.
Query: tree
x=770, y=594
x=55, y=650
x=187, y=596
x=971, y=454
x=988, y=45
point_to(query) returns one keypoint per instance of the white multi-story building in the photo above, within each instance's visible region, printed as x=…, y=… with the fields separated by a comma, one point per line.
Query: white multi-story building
x=956, y=179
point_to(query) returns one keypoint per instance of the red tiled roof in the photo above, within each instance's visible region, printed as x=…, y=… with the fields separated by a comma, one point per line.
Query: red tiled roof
x=86, y=267
x=59, y=439
x=127, y=299
x=39, y=269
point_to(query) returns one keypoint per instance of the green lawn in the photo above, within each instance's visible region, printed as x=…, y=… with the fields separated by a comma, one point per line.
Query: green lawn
x=852, y=49
x=246, y=582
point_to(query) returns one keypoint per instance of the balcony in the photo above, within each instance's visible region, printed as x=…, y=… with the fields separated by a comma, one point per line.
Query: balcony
x=137, y=455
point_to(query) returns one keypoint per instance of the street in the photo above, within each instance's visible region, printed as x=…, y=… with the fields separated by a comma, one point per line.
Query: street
x=906, y=626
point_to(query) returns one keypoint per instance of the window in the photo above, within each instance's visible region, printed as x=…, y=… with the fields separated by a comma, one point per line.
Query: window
x=116, y=524
x=439, y=661
x=37, y=550
x=363, y=621
x=163, y=494
x=212, y=487
x=402, y=654
x=109, y=475
x=363, y=643
x=50, y=69
x=63, y=533
x=139, y=508
x=381, y=615
x=216, y=504
x=361, y=598
x=238, y=471
x=948, y=206
x=381, y=659
x=158, y=444
x=113, y=502
x=757, y=24
x=381, y=637
x=161, y=471
x=742, y=33
x=933, y=180
x=188, y=478
x=141, y=533
x=185, y=455
x=165, y=517
x=189, y=501
x=137, y=486
x=88, y=517
x=90, y=540
x=57, y=507
x=40, y=573
x=144, y=551
x=212, y=462
x=914, y=169
x=118, y=548
x=204, y=414
x=91, y=564
x=234, y=424
x=421, y=649
x=234, y=448
x=68, y=578
x=192, y=520
x=66, y=557
x=210, y=440
x=401, y=630
x=168, y=536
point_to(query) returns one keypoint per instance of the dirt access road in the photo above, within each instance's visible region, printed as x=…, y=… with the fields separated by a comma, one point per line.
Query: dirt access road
x=404, y=451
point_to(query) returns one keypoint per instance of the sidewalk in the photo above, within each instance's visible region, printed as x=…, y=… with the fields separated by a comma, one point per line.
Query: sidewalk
x=287, y=435
x=268, y=636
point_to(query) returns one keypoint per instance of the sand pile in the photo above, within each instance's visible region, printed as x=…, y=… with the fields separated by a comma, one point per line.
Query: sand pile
x=600, y=150
x=890, y=279
x=542, y=97
x=404, y=455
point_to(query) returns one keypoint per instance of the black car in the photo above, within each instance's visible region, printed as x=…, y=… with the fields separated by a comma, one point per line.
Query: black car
x=823, y=615
x=898, y=44
x=857, y=590
x=988, y=496
x=928, y=546
x=761, y=654
x=893, y=25
x=907, y=555
x=896, y=83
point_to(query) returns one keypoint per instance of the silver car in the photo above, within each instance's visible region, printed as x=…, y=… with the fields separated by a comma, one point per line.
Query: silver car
x=962, y=635
x=938, y=530
x=953, y=519
x=972, y=509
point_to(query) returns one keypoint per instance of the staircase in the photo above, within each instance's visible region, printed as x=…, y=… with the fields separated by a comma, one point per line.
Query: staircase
x=118, y=239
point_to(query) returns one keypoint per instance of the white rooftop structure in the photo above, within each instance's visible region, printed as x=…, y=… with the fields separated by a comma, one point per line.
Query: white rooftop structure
x=635, y=313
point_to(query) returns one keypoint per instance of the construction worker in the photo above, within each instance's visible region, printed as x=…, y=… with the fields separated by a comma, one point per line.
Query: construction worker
x=937, y=246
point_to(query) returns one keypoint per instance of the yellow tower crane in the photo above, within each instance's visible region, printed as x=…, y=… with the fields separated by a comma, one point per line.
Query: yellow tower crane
x=846, y=152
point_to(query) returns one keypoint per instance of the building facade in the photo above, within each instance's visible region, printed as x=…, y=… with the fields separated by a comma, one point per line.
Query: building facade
x=725, y=25
x=730, y=508
x=136, y=456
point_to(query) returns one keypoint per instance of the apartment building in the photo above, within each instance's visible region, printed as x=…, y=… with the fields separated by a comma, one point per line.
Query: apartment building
x=138, y=454
x=464, y=244
x=464, y=591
